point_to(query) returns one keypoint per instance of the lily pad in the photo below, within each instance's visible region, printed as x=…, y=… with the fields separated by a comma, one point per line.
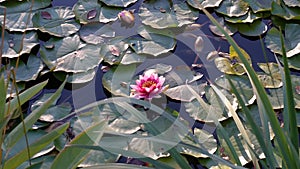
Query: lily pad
x=153, y=43
x=15, y=45
x=228, y=27
x=233, y=8
x=284, y=11
x=82, y=77
x=182, y=92
x=292, y=3
x=69, y=54
x=248, y=18
x=96, y=33
x=57, y=21
x=118, y=3
x=207, y=141
x=271, y=77
x=19, y=14
x=166, y=14
x=124, y=126
x=241, y=83
x=259, y=6
x=130, y=57
x=94, y=158
x=117, y=80
x=204, y=3
x=294, y=62
x=114, y=50
x=256, y=28
x=30, y=70
x=210, y=111
x=291, y=38
x=87, y=11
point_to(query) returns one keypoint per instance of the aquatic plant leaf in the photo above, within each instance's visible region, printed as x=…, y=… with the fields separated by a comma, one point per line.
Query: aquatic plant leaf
x=130, y=57
x=12, y=43
x=294, y=62
x=114, y=50
x=82, y=77
x=164, y=14
x=69, y=54
x=271, y=78
x=204, y=138
x=30, y=70
x=204, y=3
x=124, y=126
x=248, y=18
x=118, y=3
x=96, y=33
x=256, y=28
x=60, y=22
x=259, y=6
x=89, y=11
x=292, y=3
x=291, y=38
x=283, y=11
x=225, y=65
x=228, y=27
x=19, y=14
x=296, y=90
x=117, y=80
x=95, y=158
x=241, y=83
x=212, y=110
x=233, y=8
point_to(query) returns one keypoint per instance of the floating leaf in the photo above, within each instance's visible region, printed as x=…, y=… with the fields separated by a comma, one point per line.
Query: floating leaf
x=96, y=33
x=30, y=70
x=131, y=57
x=233, y=8
x=285, y=12
x=89, y=11
x=204, y=3
x=113, y=50
x=228, y=27
x=114, y=78
x=294, y=62
x=118, y=3
x=82, y=77
x=71, y=55
x=124, y=126
x=95, y=158
x=291, y=38
x=15, y=45
x=19, y=14
x=248, y=18
x=256, y=28
x=241, y=83
x=296, y=86
x=57, y=21
x=292, y=3
x=259, y=6
x=272, y=76
x=164, y=14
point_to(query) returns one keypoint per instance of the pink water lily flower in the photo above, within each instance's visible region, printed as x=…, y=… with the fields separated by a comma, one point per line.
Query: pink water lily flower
x=148, y=86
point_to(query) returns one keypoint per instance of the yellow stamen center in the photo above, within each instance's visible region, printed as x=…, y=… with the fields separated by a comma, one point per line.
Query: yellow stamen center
x=149, y=84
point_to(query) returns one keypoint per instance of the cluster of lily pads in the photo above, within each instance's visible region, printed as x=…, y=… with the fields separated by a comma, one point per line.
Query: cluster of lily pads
x=74, y=43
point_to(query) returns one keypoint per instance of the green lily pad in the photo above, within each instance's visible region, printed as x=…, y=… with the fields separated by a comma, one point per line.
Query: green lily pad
x=271, y=78
x=30, y=70
x=241, y=83
x=58, y=21
x=248, y=18
x=124, y=126
x=11, y=89
x=259, y=6
x=228, y=27
x=256, y=28
x=204, y=3
x=94, y=158
x=118, y=3
x=284, y=11
x=209, y=111
x=130, y=57
x=165, y=14
x=291, y=38
x=292, y=3
x=96, y=33
x=153, y=43
x=294, y=62
x=19, y=14
x=12, y=43
x=114, y=50
x=87, y=11
x=69, y=54
x=82, y=77
x=118, y=79
x=233, y=8
x=207, y=141
x=182, y=92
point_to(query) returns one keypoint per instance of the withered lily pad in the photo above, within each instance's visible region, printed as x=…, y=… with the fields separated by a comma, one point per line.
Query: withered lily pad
x=96, y=33
x=118, y=3
x=58, y=21
x=204, y=3
x=233, y=8
x=12, y=43
x=19, y=14
x=165, y=14
x=69, y=54
x=271, y=78
x=88, y=11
